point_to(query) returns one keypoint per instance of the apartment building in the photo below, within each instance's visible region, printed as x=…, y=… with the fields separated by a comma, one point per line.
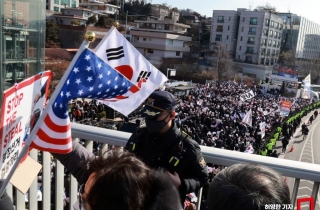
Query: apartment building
x=69, y=14
x=162, y=38
x=250, y=36
x=57, y=5
x=100, y=7
x=301, y=36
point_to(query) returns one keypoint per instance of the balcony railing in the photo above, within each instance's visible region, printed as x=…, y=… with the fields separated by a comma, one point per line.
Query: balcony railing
x=219, y=30
x=288, y=168
x=250, y=42
x=252, y=32
x=220, y=21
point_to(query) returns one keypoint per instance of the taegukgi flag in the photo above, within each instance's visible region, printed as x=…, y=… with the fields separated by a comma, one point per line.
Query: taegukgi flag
x=125, y=58
x=88, y=76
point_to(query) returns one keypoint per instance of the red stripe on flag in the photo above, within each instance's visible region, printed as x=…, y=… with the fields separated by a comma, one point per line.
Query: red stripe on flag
x=137, y=87
x=121, y=97
x=56, y=128
x=47, y=139
x=33, y=145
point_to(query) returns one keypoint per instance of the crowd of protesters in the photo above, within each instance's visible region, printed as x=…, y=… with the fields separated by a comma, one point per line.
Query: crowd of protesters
x=213, y=115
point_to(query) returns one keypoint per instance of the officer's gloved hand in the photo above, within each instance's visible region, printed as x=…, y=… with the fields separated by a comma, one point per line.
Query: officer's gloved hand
x=5, y=200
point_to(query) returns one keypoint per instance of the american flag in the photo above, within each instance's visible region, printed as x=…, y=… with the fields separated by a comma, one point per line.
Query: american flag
x=90, y=77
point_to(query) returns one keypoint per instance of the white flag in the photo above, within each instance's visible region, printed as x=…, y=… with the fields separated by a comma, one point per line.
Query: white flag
x=122, y=56
x=248, y=118
x=306, y=92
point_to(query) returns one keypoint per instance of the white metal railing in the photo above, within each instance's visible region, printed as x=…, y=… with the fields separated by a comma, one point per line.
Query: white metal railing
x=288, y=168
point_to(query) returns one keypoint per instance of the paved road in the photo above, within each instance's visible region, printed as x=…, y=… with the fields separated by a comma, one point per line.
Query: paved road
x=308, y=151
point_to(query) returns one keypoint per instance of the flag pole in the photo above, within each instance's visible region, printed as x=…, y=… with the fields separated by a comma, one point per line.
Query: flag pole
x=89, y=36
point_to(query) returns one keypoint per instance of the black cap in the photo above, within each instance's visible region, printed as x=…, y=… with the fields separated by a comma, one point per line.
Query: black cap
x=158, y=102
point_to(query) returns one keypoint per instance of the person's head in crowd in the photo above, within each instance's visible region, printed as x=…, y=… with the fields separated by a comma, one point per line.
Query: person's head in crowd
x=159, y=111
x=247, y=186
x=121, y=181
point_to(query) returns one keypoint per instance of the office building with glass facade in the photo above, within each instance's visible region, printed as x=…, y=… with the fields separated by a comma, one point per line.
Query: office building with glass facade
x=301, y=36
x=22, y=40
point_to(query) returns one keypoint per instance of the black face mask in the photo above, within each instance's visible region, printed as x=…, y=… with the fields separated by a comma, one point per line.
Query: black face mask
x=156, y=126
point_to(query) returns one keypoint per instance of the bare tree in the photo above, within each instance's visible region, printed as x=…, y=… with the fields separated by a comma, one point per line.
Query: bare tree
x=287, y=58
x=222, y=63
x=268, y=8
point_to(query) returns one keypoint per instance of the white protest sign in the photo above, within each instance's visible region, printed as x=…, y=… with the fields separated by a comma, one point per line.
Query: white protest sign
x=247, y=95
x=19, y=115
x=263, y=129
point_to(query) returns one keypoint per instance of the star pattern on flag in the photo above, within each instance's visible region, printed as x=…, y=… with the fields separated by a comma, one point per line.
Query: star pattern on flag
x=90, y=77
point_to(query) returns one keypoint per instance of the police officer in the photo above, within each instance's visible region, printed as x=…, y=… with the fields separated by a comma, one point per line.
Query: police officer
x=163, y=146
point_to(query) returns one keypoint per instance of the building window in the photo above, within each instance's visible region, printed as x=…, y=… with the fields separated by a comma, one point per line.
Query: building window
x=249, y=50
x=242, y=29
x=274, y=44
x=253, y=21
x=110, y=9
x=153, y=26
x=227, y=37
x=228, y=28
x=144, y=39
x=250, y=40
x=219, y=29
x=239, y=48
x=220, y=19
x=265, y=32
x=262, y=60
x=150, y=51
x=243, y=19
x=252, y=30
x=176, y=28
x=219, y=37
x=270, y=43
x=229, y=18
x=280, y=27
x=241, y=38
x=263, y=51
x=169, y=42
x=268, y=52
x=272, y=24
x=275, y=34
x=56, y=1
x=266, y=23
x=178, y=53
x=56, y=9
x=238, y=57
x=248, y=59
x=270, y=33
x=277, y=25
x=68, y=12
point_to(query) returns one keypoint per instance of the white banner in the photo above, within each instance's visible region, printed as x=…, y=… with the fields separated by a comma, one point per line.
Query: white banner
x=263, y=129
x=247, y=95
x=22, y=105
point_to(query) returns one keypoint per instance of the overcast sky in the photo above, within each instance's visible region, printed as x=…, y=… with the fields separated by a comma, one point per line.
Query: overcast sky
x=306, y=8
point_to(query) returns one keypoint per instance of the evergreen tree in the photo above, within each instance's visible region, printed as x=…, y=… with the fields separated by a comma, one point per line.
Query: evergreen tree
x=52, y=36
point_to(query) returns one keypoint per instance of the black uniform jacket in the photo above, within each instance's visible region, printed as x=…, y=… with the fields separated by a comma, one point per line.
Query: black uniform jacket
x=186, y=158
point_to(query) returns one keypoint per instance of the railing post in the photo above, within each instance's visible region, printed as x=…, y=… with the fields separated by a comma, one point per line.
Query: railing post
x=199, y=199
x=33, y=191
x=21, y=204
x=89, y=145
x=73, y=191
x=295, y=191
x=314, y=192
x=59, y=185
x=104, y=148
x=46, y=181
